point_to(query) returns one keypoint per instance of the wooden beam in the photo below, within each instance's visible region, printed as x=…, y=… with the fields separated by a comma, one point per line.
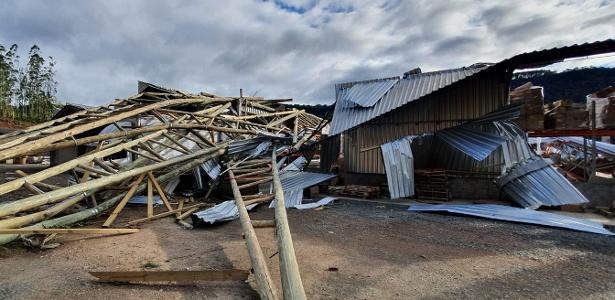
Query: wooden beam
x=123, y=202
x=150, y=199
x=263, y=223
x=292, y=286
x=166, y=214
x=265, y=287
x=68, y=230
x=20, y=145
x=171, y=276
x=160, y=191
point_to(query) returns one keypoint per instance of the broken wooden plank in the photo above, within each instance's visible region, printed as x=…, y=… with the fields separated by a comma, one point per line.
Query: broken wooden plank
x=171, y=276
x=68, y=230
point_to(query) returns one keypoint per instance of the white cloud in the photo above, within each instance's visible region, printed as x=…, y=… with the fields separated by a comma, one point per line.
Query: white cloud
x=295, y=49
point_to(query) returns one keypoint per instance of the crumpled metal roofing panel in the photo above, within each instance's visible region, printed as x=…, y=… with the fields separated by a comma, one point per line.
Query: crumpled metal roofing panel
x=476, y=144
x=536, y=183
x=606, y=148
x=399, y=168
x=366, y=94
x=514, y=214
x=212, y=168
x=404, y=92
x=292, y=180
x=225, y=211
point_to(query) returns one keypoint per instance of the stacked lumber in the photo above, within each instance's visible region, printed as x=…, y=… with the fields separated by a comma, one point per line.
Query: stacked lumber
x=604, y=100
x=564, y=114
x=360, y=191
x=532, y=98
x=431, y=184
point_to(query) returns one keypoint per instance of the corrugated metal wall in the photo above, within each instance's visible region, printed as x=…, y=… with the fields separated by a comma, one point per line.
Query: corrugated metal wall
x=465, y=100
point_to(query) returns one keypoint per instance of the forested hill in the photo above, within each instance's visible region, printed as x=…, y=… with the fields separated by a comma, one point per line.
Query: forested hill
x=572, y=84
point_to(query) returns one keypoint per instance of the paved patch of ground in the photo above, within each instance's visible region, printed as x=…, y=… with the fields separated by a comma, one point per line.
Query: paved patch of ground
x=380, y=252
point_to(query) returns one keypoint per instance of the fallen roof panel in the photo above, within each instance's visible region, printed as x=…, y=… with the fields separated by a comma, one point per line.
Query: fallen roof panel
x=536, y=183
x=514, y=214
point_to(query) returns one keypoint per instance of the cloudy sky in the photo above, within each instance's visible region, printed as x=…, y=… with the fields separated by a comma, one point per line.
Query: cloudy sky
x=279, y=48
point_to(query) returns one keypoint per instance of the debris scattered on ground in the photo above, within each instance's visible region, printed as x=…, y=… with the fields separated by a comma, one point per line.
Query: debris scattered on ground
x=514, y=214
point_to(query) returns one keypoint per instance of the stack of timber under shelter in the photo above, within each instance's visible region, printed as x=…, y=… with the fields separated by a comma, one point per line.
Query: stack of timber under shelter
x=532, y=98
x=143, y=145
x=605, y=107
x=564, y=114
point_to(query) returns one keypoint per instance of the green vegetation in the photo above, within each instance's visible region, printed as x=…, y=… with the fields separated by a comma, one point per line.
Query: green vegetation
x=150, y=264
x=26, y=93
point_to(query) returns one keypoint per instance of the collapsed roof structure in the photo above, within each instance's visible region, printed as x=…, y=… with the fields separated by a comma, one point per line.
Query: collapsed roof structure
x=144, y=143
x=460, y=119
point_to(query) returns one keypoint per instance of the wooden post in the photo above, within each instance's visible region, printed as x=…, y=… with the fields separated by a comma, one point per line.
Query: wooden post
x=108, y=204
x=292, y=286
x=266, y=289
x=150, y=199
x=57, y=195
x=122, y=203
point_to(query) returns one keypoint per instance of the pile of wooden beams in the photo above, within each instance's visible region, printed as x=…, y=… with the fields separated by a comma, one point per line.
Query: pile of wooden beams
x=139, y=145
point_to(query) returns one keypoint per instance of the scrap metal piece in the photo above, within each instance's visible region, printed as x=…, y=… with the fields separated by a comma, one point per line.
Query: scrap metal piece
x=514, y=214
x=399, y=167
x=536, y=183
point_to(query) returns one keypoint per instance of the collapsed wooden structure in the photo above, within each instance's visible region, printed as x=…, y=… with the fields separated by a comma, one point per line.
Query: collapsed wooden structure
x=141, y=145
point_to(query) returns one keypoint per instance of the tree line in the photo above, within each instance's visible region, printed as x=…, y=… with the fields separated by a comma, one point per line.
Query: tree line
x=27, y=93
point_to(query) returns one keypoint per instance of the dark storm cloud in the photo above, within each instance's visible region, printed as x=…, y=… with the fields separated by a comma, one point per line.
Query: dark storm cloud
x=287, y=48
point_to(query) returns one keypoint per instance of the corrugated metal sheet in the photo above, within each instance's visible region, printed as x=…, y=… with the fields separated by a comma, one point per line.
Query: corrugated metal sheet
x=292, y=198
x=225, y=211
x=601, y=147
x=366, y=94
x=536, y=183
x=514, y=214
x=478, y=145
x=293, y=180
x=212, y=168
x=295, y=165
x=399, y=166
x=451, y=106
x=404, y=92
x=319, y=203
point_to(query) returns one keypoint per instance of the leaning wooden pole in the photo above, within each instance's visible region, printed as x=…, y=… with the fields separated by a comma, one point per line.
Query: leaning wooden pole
x=266, y=289
x=292, y=286
x=108, y=204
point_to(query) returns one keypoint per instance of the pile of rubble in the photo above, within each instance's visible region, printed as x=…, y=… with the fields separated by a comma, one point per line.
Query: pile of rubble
x=143, y=144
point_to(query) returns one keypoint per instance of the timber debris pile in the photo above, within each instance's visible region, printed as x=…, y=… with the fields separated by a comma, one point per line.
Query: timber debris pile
x=169, y=147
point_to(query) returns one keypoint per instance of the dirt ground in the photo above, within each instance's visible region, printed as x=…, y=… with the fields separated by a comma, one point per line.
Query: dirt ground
x=380, y=252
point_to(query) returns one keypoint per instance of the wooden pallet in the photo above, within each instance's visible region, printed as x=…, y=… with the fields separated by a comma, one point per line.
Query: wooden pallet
x=360, y=191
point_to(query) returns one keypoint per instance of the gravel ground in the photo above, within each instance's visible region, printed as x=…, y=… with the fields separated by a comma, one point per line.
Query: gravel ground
x=353, y=250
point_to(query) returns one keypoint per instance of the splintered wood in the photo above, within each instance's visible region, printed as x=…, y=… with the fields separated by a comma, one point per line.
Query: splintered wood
x=131, y=146
x=142, y=151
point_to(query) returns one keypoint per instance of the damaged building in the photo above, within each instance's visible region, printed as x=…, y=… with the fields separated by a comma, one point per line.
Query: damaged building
x=447, y=134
